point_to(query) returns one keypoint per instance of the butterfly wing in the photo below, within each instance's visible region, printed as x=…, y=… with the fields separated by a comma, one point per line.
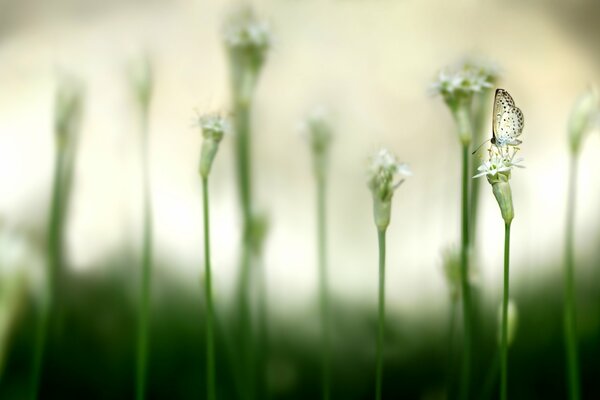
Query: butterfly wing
x=503, y=102
x=510, y=127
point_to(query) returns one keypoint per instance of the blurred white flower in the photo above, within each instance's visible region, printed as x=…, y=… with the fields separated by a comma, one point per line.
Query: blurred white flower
x=464, y=80
x=386, y=174
x=214, y=126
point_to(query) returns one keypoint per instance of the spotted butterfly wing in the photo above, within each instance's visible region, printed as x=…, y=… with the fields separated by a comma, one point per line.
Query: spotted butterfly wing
x=507, y=121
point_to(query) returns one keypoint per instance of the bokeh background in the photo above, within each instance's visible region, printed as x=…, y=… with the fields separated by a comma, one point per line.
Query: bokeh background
x=371, y=64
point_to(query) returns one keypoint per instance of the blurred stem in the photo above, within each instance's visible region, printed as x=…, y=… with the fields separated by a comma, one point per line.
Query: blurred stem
x=464, y=275
x=54, y=263
x=504, y=335
x=450, y=350
x=480, y=106
x=210, y=345
x=570, y=325
x=243, y=158
x=263, y=333
x=323, y=282
x=381, y=325
x=144, y=312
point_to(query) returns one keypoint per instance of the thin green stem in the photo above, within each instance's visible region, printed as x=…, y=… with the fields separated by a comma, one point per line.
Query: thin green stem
x=464, y=276
x=381, y=319
x=144, y=312
x=55, y=261
x=450, y=349
x=323, y=284
x=504, y=334
x=210, y=345
x=263, y=335
x=243, y=159
x=570, y=326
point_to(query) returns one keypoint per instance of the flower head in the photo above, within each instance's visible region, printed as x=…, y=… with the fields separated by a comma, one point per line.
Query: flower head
x=584, y=116
x=68, y=108
x=214, y=127
x=247, y=40
x=458, y=84
x=317, y=131
x=385, y=175
x=141, y=76
x=497, y=169
x=500, y=164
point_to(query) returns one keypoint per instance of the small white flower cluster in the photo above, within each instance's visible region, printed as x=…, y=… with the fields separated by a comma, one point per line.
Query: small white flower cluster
x=463, y=81
x=386, y=174
x=245, y=31
x=501, y=161
x=213, y=126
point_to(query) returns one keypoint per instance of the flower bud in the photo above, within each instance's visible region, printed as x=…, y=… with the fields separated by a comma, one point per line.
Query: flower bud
x=582, y=118
x=142, y=81
x=68, y=108
x=503, y=196
x=318, y=133
x=213, y=129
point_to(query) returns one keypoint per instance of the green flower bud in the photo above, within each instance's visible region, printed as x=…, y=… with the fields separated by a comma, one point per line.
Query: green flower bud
x=68, y=109
x=141, y=77
x=503, y=196
x=582, y=118
x=319, y=135
x=213, y=129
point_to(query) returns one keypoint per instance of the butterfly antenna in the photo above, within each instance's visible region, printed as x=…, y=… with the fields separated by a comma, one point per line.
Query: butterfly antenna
x=477, y=149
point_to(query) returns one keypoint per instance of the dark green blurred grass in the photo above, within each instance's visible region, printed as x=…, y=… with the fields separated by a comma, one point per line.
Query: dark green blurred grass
x=91, y=353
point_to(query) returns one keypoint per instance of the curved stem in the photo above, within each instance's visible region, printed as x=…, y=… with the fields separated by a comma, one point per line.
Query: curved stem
x=570, y=326
x=464, y=276
x=143, y=321
x=323, y=285
x=504, y=334
x=381, y=319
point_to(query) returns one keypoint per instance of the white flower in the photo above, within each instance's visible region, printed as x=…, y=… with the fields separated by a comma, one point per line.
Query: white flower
x=501, y=160
x=386, y=174
x=213, y=126
x=243, y=30
x=462, y=81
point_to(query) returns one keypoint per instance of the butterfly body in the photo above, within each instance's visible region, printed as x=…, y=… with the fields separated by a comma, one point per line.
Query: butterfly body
x=507, y=121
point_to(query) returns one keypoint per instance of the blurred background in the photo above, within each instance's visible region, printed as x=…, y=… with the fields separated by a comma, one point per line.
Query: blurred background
x=371, y=64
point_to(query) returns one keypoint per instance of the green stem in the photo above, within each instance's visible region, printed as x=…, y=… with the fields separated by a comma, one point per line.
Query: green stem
x=450, y=350
x=243, y=158
x=464, y=276
x=210, y=346
x=381, y=319
x=263, y=345
x=570, y=326
x=323, y=284
x=55, y=261
x=144, y=313
x=504, y=334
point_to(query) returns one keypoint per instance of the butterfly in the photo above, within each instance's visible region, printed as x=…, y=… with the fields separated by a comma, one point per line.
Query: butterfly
x=507, y=121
